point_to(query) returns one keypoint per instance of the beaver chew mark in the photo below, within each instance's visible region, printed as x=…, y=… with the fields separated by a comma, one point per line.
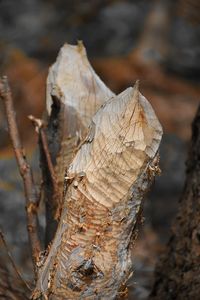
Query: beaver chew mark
x=88, y=270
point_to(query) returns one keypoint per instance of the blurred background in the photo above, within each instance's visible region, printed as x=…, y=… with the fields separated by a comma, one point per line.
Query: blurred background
x=157, y=42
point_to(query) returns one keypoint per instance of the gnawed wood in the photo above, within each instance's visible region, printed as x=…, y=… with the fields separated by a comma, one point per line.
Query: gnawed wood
x=80, y=92
x=74, y=94
x=90, y=257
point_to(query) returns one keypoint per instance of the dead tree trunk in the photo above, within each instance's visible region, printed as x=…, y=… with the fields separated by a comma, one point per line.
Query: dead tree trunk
x=109, y=168
x=177, y=274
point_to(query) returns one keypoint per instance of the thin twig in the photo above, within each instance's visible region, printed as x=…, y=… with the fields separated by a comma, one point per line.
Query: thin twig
x=25, y=171
x=12, y=261
x=40, y=193
x=39, y=127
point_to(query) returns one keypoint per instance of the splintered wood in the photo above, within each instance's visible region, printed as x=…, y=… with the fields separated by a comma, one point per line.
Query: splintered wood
x=90, y=257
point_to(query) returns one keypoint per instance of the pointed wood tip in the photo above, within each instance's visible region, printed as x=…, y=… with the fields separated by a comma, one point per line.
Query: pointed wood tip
x=80, y=45
x=136, y=85
x=136, y=91
x=78, y=48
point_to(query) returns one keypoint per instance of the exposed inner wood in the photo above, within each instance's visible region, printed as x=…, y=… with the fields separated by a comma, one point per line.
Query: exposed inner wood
x=80, y=93
x=90, y=257
x=74, y=94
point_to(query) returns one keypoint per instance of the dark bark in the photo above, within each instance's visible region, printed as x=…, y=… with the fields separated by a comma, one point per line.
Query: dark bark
x=53, y=139
x=178, y=272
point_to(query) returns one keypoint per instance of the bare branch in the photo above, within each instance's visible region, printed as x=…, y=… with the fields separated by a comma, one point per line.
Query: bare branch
x=25, y=171
x=39, y=128
x=12, y=261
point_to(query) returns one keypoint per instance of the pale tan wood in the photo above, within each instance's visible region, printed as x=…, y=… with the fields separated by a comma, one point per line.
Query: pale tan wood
x=78, y=92
x=90, y=257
